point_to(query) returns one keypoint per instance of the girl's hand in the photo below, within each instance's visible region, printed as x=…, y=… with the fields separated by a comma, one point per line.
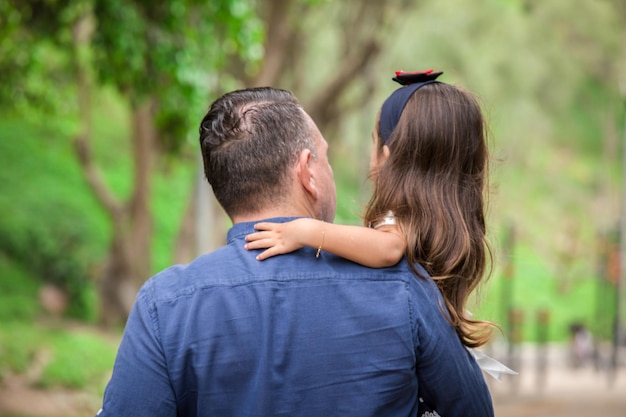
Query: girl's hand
x=277, y=238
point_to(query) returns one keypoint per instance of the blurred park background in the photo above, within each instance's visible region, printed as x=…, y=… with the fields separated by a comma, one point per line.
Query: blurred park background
x=100, y=188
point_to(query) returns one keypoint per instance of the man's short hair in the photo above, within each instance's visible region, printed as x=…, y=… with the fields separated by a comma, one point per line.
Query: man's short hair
x=249, y=139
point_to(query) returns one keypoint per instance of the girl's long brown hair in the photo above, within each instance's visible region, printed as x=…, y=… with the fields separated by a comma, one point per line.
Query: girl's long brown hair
x=434, y=181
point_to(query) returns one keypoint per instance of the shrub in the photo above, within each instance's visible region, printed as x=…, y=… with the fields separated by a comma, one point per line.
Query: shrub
x=77, y=360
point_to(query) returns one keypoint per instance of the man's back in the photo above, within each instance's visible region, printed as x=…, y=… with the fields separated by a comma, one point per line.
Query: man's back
x=228, y=335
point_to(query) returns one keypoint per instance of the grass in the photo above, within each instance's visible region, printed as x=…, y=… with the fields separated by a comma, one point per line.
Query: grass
x=78, y=360
x=19, y=342
x=75, y=357
x=537, y=288
x=68, y=358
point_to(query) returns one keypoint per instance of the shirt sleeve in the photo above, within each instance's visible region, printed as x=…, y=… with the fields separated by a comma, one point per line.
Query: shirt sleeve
x=140, y=384
x=449, y=378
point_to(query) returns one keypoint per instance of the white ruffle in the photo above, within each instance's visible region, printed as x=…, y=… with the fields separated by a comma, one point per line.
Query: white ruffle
x=490, y=365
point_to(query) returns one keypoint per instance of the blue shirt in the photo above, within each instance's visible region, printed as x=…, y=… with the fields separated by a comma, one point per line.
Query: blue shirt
x=293, y=335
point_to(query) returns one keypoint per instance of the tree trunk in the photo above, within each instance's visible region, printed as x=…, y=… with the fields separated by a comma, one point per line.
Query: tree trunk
x=287, y=44
x=128, y=261
x=279, y=32
x=203, y=227
x=144, y=148
x=117, y=289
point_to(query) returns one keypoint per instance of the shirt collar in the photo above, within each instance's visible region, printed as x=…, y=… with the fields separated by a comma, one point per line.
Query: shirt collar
x=240, y=230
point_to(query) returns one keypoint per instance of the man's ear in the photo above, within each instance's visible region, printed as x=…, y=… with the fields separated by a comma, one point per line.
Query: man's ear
x=305, y=173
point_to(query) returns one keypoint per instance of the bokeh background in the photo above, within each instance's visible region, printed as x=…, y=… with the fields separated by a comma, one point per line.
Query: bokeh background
x=100, y=183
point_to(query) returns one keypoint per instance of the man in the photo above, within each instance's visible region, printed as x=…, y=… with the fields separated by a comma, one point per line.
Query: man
x=301, y=334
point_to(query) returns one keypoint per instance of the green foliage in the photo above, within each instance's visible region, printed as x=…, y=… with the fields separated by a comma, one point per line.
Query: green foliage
x=18, y=344
x=37, y=83
x=72, y=359
x=535, y=287
x=50, y=222
x=18, y=292
x=171, y=194
x=169, y=50
x=77, y=360
x=37, y=73
x=352, y=188
x=44, y=221
x=591, y=117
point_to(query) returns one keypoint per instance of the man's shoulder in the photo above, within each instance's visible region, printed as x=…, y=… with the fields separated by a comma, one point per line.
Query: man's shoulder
x=399, y=272
x=182, y=279
x=233, y=266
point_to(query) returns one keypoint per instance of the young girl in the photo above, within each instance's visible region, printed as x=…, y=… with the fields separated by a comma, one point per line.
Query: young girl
x=429, y=171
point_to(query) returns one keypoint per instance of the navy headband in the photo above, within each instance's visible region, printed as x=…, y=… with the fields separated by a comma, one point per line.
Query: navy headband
x=394, y=105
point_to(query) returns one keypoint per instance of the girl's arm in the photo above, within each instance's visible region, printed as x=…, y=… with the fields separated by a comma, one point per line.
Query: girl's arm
x=375, y=248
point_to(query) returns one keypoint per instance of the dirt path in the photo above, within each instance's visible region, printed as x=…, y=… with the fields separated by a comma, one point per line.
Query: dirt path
x=19, y=399
x=558, y=390
x=564, y=393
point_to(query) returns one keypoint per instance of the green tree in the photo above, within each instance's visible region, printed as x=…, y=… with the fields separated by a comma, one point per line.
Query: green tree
x=161, y=65
x=160, y=57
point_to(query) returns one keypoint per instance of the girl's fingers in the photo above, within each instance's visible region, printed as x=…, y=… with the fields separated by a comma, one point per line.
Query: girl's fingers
x=264, y=226
x=259, y=244
x=257, y=236
x=267, y=254
x=252, y=237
